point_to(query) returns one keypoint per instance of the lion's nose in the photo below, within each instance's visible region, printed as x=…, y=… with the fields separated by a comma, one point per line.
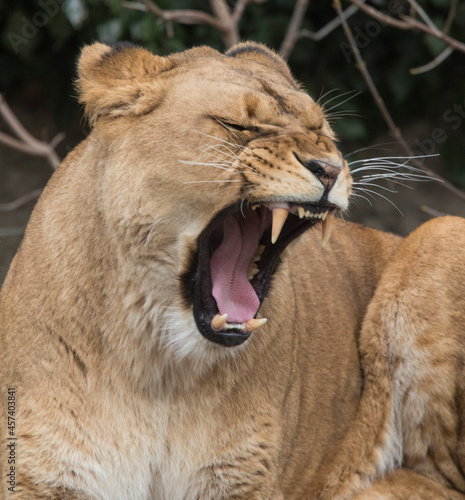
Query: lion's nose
x=327, y=174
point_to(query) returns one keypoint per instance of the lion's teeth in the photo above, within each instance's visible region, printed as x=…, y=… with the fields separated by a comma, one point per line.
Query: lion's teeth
x=256, y=258
x=301, y=212
x=234, y=326
x=254, y=324
x=218, y=322
x=254, y=207
x=252, y=271
x=279, y=218
x=326, y=227
x=308, y=214
x=324, y=215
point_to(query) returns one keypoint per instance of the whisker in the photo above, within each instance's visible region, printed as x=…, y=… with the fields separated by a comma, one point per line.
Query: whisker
x=225, y=160
x=395, y=175
x=370, y=191
x=353, y=92
x=212, y=137
x=226, y=127
x=325, y=94
x=199, y=163
x=392, y=158
x=385, y=188
x=200, y=182
x=371, y=147
x=391, y=180
x=233, y=144
x=361, y=196
x=391, y=167
x=343, y=112
x=228, y=148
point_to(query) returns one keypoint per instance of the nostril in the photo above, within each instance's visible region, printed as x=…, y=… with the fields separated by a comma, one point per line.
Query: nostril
x=314, y=166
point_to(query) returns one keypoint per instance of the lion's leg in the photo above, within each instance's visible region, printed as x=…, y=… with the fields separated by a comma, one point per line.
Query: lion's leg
x=405, y=484
x=420, y=303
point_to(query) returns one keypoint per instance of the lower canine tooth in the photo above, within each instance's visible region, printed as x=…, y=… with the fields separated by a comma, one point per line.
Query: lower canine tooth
x=326, y=227
x=254, y=324
x=323, y=217
x=218, y=322
x=279, y=218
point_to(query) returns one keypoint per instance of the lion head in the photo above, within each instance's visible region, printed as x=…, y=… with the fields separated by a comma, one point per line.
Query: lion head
x=214, y=164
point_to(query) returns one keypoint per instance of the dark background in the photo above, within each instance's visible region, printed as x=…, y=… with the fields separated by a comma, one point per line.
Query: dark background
x=40, y=41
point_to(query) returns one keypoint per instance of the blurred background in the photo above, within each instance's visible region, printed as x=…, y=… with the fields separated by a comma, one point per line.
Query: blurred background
x=417, y=66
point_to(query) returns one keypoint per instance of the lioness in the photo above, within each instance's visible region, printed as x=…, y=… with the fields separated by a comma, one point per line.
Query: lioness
x=171, y=327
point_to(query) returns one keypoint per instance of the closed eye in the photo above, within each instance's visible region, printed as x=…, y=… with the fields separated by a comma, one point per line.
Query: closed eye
x=233, y=125
x=239, y=128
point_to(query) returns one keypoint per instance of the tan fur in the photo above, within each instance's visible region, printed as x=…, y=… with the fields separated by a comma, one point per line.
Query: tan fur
x=357, y=376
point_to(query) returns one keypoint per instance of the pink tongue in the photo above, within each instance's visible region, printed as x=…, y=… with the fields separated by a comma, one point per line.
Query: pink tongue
x=232, y=290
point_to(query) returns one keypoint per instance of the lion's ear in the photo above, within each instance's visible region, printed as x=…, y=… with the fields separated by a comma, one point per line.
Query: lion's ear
x=119, y=80
x=262, y=54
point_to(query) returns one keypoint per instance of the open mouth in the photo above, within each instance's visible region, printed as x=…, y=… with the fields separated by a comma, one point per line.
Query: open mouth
x=237, y=255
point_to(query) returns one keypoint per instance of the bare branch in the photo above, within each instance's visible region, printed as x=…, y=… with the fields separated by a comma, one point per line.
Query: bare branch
x=419, y=9
x=434, y=63
x=407, y=23
x=184, y=16
x=450, y=16
x=17, y=144
x=19, y=202
x=27, y=143
x=330, y=27
x=239, y=10
x=413, y=23
x=230, y=31
x=292, y=34
x=384, y=18
x=432, y=211
x=135, y=6
x=361, y=65
x=223, y=20
x=12, y=231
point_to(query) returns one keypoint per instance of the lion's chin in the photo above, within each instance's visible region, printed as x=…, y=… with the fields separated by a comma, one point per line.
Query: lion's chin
x=237, y=255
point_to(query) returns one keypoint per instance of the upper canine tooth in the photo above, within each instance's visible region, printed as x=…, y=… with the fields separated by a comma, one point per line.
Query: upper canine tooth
x=254, y=324
x=218, y=322
x=301, y=211
x=254, y=207
x=326, y=227
x=324, y=215
x=279, y=218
